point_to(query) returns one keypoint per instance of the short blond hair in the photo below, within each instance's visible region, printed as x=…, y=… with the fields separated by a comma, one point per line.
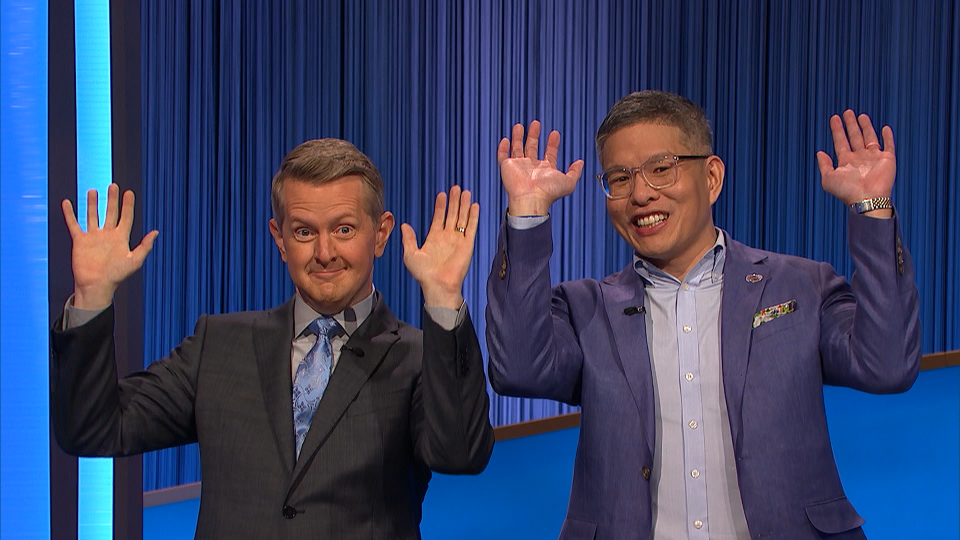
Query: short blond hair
x=321, y=161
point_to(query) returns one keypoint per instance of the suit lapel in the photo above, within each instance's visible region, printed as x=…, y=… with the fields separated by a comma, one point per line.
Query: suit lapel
x=375, y=337
x=621, y=291
x=741, y=299
x=273, y=338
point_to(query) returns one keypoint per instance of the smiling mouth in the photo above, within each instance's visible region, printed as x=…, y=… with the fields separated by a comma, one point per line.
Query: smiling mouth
x=646, y=222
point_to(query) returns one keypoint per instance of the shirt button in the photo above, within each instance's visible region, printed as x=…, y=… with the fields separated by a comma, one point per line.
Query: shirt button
x=693, y=424
x=697, y=524
x=695, y=473
x=716, y=275
x=688, y=376
x=686, y=286
x=687, y=329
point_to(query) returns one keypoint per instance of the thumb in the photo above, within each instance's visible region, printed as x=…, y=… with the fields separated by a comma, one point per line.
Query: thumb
x=409, y=238
x=140, y=252
x=576, y=168
x=825, y=163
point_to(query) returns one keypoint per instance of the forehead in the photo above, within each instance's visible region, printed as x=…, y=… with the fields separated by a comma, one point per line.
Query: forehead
x=633, y=144
x=345, y=195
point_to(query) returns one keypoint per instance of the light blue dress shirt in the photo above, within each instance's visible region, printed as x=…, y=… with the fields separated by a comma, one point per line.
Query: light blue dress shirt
x=694, y=478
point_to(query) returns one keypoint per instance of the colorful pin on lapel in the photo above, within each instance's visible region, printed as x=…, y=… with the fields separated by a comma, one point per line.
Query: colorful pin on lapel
x=754, y=278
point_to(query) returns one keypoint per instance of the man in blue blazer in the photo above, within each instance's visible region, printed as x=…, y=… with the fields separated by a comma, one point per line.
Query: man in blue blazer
x=699, y=367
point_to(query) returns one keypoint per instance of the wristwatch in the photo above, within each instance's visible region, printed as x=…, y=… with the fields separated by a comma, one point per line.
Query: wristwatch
x=876, y=203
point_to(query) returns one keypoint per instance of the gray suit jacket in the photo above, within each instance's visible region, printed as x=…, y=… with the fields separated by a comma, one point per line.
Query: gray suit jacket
x=386, y=420
x=584, y=342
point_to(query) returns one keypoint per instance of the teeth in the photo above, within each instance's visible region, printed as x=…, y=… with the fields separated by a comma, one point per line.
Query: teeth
x=650, y=221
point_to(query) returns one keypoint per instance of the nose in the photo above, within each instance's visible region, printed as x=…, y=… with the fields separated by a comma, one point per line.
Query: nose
x=324, y=251
x=642, y=193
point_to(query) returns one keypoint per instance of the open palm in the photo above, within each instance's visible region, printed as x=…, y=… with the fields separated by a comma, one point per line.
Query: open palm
x=101, y=257
x=532, y=184
x=863, y=169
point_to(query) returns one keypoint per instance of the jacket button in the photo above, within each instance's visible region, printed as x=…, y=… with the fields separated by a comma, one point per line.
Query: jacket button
x=645, y=472
x=289, y=512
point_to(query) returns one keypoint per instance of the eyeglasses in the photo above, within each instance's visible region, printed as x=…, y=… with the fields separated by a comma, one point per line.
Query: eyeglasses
x=658, y=172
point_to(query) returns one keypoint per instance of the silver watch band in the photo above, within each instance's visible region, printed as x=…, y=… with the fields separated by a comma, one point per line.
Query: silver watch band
x=876, y=203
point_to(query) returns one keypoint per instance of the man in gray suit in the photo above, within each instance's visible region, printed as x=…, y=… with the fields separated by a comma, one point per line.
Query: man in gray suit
x=322, y=417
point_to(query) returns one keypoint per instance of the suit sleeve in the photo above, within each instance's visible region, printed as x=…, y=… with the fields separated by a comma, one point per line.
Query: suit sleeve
x=452, y=431
x=534, y=351
x=95, y=414
x=870, y=329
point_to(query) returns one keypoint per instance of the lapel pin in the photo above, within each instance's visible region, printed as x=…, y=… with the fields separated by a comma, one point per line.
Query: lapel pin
x=754, y=278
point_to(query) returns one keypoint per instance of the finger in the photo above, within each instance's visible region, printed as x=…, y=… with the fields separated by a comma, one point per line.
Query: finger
x=840, y=142
x=140, y=253
x=409, y=240
x=473, y=221
x=532, y=149
x=503, y=150
x=553, y=147
x=869, y=134
x=93, y=218
x=853, y=130
x=68, y=215
x=439, y=212
x=825, y=163
x=126, y=212
x=517, y=143
x=575, y=170
x=453, y=208
x=463, y=215
x=888, y=145
x=113, y=206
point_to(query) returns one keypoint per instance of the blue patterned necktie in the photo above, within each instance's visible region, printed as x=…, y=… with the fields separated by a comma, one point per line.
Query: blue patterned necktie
x=313, y=374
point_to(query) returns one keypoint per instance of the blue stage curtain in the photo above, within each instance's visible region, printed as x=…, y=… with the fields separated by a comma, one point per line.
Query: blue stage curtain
x=427, y=89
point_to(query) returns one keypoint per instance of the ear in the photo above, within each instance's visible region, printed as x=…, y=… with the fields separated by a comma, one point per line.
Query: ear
x=384, y=228
x=715, y=170
x=278, y=238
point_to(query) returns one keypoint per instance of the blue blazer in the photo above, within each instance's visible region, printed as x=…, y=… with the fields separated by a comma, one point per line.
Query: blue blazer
x=574, y=343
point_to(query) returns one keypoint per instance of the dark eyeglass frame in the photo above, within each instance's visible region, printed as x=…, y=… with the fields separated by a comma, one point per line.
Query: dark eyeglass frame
x=603, y=177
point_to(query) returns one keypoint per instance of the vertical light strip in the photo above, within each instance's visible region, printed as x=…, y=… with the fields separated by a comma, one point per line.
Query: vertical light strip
x=24, y=317
x=94, y=171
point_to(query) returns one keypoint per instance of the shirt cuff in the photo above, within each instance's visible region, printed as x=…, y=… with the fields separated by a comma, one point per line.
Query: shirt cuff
x=75, y=317
x=522, y=223
x=447, y=318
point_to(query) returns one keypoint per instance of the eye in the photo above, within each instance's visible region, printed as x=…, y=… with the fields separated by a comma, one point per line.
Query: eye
x=345, y=231
x=617, y=177
x=661, y=167
x=303, y=233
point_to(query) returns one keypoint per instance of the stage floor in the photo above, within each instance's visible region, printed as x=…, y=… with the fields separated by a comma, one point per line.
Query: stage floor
x=899, y=458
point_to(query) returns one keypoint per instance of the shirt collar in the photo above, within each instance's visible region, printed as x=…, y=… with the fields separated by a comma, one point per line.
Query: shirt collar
x=349, y=319
x=710, y=266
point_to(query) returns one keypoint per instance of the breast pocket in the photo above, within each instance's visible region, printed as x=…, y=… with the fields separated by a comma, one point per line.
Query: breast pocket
x=782, y=326
x=368, y=402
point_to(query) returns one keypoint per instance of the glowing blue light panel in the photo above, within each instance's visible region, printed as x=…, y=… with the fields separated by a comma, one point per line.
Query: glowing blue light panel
x=94, y=171
x=24, y=316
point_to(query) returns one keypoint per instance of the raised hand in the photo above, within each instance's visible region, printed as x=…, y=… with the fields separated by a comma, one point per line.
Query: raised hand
x=863, y=170
x=441, y=264
x=532, y=184
x=101, y=257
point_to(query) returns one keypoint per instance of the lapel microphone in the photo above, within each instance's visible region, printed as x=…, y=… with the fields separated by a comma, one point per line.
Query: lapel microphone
x=633, y=310
x=357, y=351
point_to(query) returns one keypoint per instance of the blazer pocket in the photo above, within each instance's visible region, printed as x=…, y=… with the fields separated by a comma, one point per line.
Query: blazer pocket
x=575, y=529
x=777, y=327
x=834, y=516
x=367, y=403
